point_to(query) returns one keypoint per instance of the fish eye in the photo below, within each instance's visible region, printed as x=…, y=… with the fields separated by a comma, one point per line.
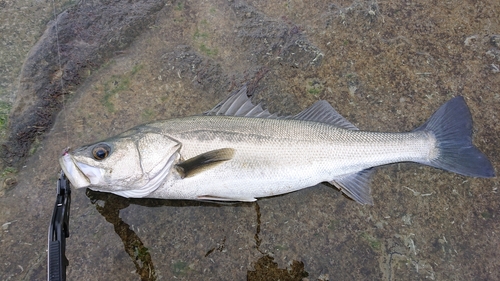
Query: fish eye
x=101, y=151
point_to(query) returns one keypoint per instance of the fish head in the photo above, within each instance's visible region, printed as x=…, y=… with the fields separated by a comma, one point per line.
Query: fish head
x=132, y=164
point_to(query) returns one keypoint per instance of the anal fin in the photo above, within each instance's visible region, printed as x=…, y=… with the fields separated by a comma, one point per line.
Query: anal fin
x=204, y=161
x=356, y=186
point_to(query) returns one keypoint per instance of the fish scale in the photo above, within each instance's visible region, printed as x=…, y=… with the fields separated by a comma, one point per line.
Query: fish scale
x=298, y=153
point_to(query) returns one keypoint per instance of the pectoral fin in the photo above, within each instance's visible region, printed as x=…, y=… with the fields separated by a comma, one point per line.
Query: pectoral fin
x=203, y=162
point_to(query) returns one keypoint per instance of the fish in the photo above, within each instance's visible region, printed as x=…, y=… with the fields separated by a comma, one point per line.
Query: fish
x=238, y=151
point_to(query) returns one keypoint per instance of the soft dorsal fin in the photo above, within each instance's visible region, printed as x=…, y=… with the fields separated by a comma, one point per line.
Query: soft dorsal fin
x=356, y=186
x=322, y=111
x=239, y=104
x=203, y=162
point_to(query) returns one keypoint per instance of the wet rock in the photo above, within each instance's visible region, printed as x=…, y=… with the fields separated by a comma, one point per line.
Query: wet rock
x=272, y=40
x=204, y=72
x=495, y=40
x=267, y=269
x=82, y=38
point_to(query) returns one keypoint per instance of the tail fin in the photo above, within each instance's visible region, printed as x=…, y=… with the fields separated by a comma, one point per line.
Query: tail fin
x=451, y=125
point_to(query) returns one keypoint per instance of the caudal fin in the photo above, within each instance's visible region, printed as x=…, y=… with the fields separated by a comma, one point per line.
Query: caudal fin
x=451, y=125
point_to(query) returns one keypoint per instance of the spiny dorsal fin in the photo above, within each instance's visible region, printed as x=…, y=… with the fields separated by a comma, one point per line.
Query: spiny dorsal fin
x=204, y=161
x=322, y=111
x=356, y=186
x=239, y=104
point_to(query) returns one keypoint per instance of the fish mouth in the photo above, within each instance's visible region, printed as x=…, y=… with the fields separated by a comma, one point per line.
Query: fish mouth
x=79, y=174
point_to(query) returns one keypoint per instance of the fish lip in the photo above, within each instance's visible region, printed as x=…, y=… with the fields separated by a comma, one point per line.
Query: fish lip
x=93, y=174
x=72, y=171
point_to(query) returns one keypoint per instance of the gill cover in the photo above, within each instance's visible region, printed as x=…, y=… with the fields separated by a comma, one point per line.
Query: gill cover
x=132, y=164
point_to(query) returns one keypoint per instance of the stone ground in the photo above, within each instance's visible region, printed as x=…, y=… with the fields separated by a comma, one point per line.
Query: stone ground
x=384, y=65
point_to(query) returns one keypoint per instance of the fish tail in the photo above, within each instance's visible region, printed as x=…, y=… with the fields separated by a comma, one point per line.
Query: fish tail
x=451, y=125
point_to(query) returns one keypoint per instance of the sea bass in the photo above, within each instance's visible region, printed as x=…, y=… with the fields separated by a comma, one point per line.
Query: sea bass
x=240, y=152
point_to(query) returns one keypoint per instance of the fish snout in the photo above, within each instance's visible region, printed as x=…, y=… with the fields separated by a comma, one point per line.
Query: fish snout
x=72, y=172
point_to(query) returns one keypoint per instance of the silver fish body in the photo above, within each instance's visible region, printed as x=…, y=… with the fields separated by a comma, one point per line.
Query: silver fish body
x=239, y=152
